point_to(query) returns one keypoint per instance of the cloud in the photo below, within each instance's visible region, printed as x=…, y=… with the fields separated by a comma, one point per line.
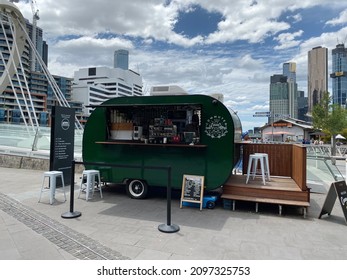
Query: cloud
x=85, y=51
x=236, y=60
x=247, y=62
x=252, y=24
x=287, y=41
x=243, y=20
x=93, y=42
x=296, y=18
x=342, y=19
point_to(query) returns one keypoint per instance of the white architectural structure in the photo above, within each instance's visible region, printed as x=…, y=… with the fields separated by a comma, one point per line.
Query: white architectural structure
x=92, y=86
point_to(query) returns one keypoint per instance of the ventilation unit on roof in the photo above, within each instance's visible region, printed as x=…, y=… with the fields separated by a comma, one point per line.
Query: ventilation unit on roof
x=167, y=90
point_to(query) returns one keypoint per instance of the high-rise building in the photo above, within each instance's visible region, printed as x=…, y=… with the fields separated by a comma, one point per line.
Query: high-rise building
x=289, y=70
x=29, y=80
x=302, y=106
x=283, y=98
x=14, y=93
x=121, y=59
x=317, y=76
x=339, y=75
x=41, y=46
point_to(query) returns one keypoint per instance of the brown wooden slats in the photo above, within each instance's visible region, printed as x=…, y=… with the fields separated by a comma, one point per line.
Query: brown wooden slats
x=287, y=160
x=299, y=166
x=266, y=193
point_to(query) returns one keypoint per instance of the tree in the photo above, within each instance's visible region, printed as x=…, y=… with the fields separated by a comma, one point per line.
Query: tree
x=331, y=118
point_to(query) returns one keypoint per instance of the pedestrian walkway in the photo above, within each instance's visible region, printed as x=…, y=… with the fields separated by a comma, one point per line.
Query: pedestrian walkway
x=117, y=227
x=61, y=241
x=20, y=242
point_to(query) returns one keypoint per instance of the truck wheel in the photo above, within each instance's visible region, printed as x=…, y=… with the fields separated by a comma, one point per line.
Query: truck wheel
x=136, y=188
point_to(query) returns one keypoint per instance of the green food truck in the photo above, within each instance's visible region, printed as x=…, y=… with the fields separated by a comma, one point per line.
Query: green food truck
x=192, y=134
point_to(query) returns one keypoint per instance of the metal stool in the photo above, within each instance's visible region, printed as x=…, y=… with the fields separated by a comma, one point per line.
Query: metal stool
x=90, y=179
x=253, y=160
x=52, y=184
x=267, y=168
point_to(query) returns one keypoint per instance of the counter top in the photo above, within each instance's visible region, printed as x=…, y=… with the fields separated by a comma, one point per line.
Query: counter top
x=134, y=143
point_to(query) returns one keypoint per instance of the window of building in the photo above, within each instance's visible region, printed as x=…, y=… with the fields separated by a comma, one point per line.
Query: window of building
x=92, y=71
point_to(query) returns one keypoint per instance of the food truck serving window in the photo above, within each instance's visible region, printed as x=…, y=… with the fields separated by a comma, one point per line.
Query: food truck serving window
x=155, y=123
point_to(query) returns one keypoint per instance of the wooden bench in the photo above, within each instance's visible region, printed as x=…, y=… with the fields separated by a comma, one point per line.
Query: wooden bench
x=280, y=202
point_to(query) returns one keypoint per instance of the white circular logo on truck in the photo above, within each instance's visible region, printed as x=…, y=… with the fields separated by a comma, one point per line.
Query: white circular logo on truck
x=216, y=127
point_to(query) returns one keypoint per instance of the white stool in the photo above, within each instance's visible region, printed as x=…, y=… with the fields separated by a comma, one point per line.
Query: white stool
x=253, y=160
x=52, y=184
x=89, y=185
x=267, y=167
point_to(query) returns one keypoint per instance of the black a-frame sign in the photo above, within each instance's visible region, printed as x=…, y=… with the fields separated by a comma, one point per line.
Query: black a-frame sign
x=337, y=190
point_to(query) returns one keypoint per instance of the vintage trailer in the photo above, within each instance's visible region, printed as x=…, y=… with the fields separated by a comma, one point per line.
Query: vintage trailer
x=193, y=134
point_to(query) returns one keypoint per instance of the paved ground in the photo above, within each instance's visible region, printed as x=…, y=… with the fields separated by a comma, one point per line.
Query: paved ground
x=117, y=227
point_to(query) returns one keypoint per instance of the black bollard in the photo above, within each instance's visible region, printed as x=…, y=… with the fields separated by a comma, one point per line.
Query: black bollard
x=72, y=214
x=168, y=227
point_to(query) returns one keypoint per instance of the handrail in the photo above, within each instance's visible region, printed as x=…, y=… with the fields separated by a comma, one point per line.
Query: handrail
x=325, y=160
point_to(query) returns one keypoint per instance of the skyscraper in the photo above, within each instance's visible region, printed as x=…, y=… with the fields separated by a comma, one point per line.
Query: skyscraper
x=121, y=59
x=283, y=98
x=317, y=76
x=41, y=45
x=284, y=93
x=289, y=70
x=339, y=74
x=302, y=106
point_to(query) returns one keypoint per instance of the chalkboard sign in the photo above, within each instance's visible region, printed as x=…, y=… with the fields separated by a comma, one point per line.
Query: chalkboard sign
x=62, y=141
x=192, y=189
x=337, y=190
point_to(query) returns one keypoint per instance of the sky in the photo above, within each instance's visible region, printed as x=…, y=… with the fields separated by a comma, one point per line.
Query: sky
x=221, y=46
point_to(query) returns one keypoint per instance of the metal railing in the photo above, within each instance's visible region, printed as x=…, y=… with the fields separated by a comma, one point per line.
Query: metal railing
x=326, y=150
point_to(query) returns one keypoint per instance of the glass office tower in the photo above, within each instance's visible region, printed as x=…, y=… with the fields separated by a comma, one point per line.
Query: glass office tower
x=121, y=59
x=289, y=70
x=339, y=75
x=283, y=98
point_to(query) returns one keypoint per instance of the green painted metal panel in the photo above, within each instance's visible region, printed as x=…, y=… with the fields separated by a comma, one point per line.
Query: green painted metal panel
x=215, y=159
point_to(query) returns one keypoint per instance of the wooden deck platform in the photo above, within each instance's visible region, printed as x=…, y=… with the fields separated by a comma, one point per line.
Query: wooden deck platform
x=279, y=190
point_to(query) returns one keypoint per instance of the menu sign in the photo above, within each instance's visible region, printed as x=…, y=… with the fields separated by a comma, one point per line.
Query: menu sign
x=192, y=189
x=337, y=190
x=62, y=141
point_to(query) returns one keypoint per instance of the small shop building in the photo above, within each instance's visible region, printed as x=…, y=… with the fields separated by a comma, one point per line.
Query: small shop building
x=286, y=130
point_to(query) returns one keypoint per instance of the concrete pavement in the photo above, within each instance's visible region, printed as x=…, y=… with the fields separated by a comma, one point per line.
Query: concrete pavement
x=117, y=227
